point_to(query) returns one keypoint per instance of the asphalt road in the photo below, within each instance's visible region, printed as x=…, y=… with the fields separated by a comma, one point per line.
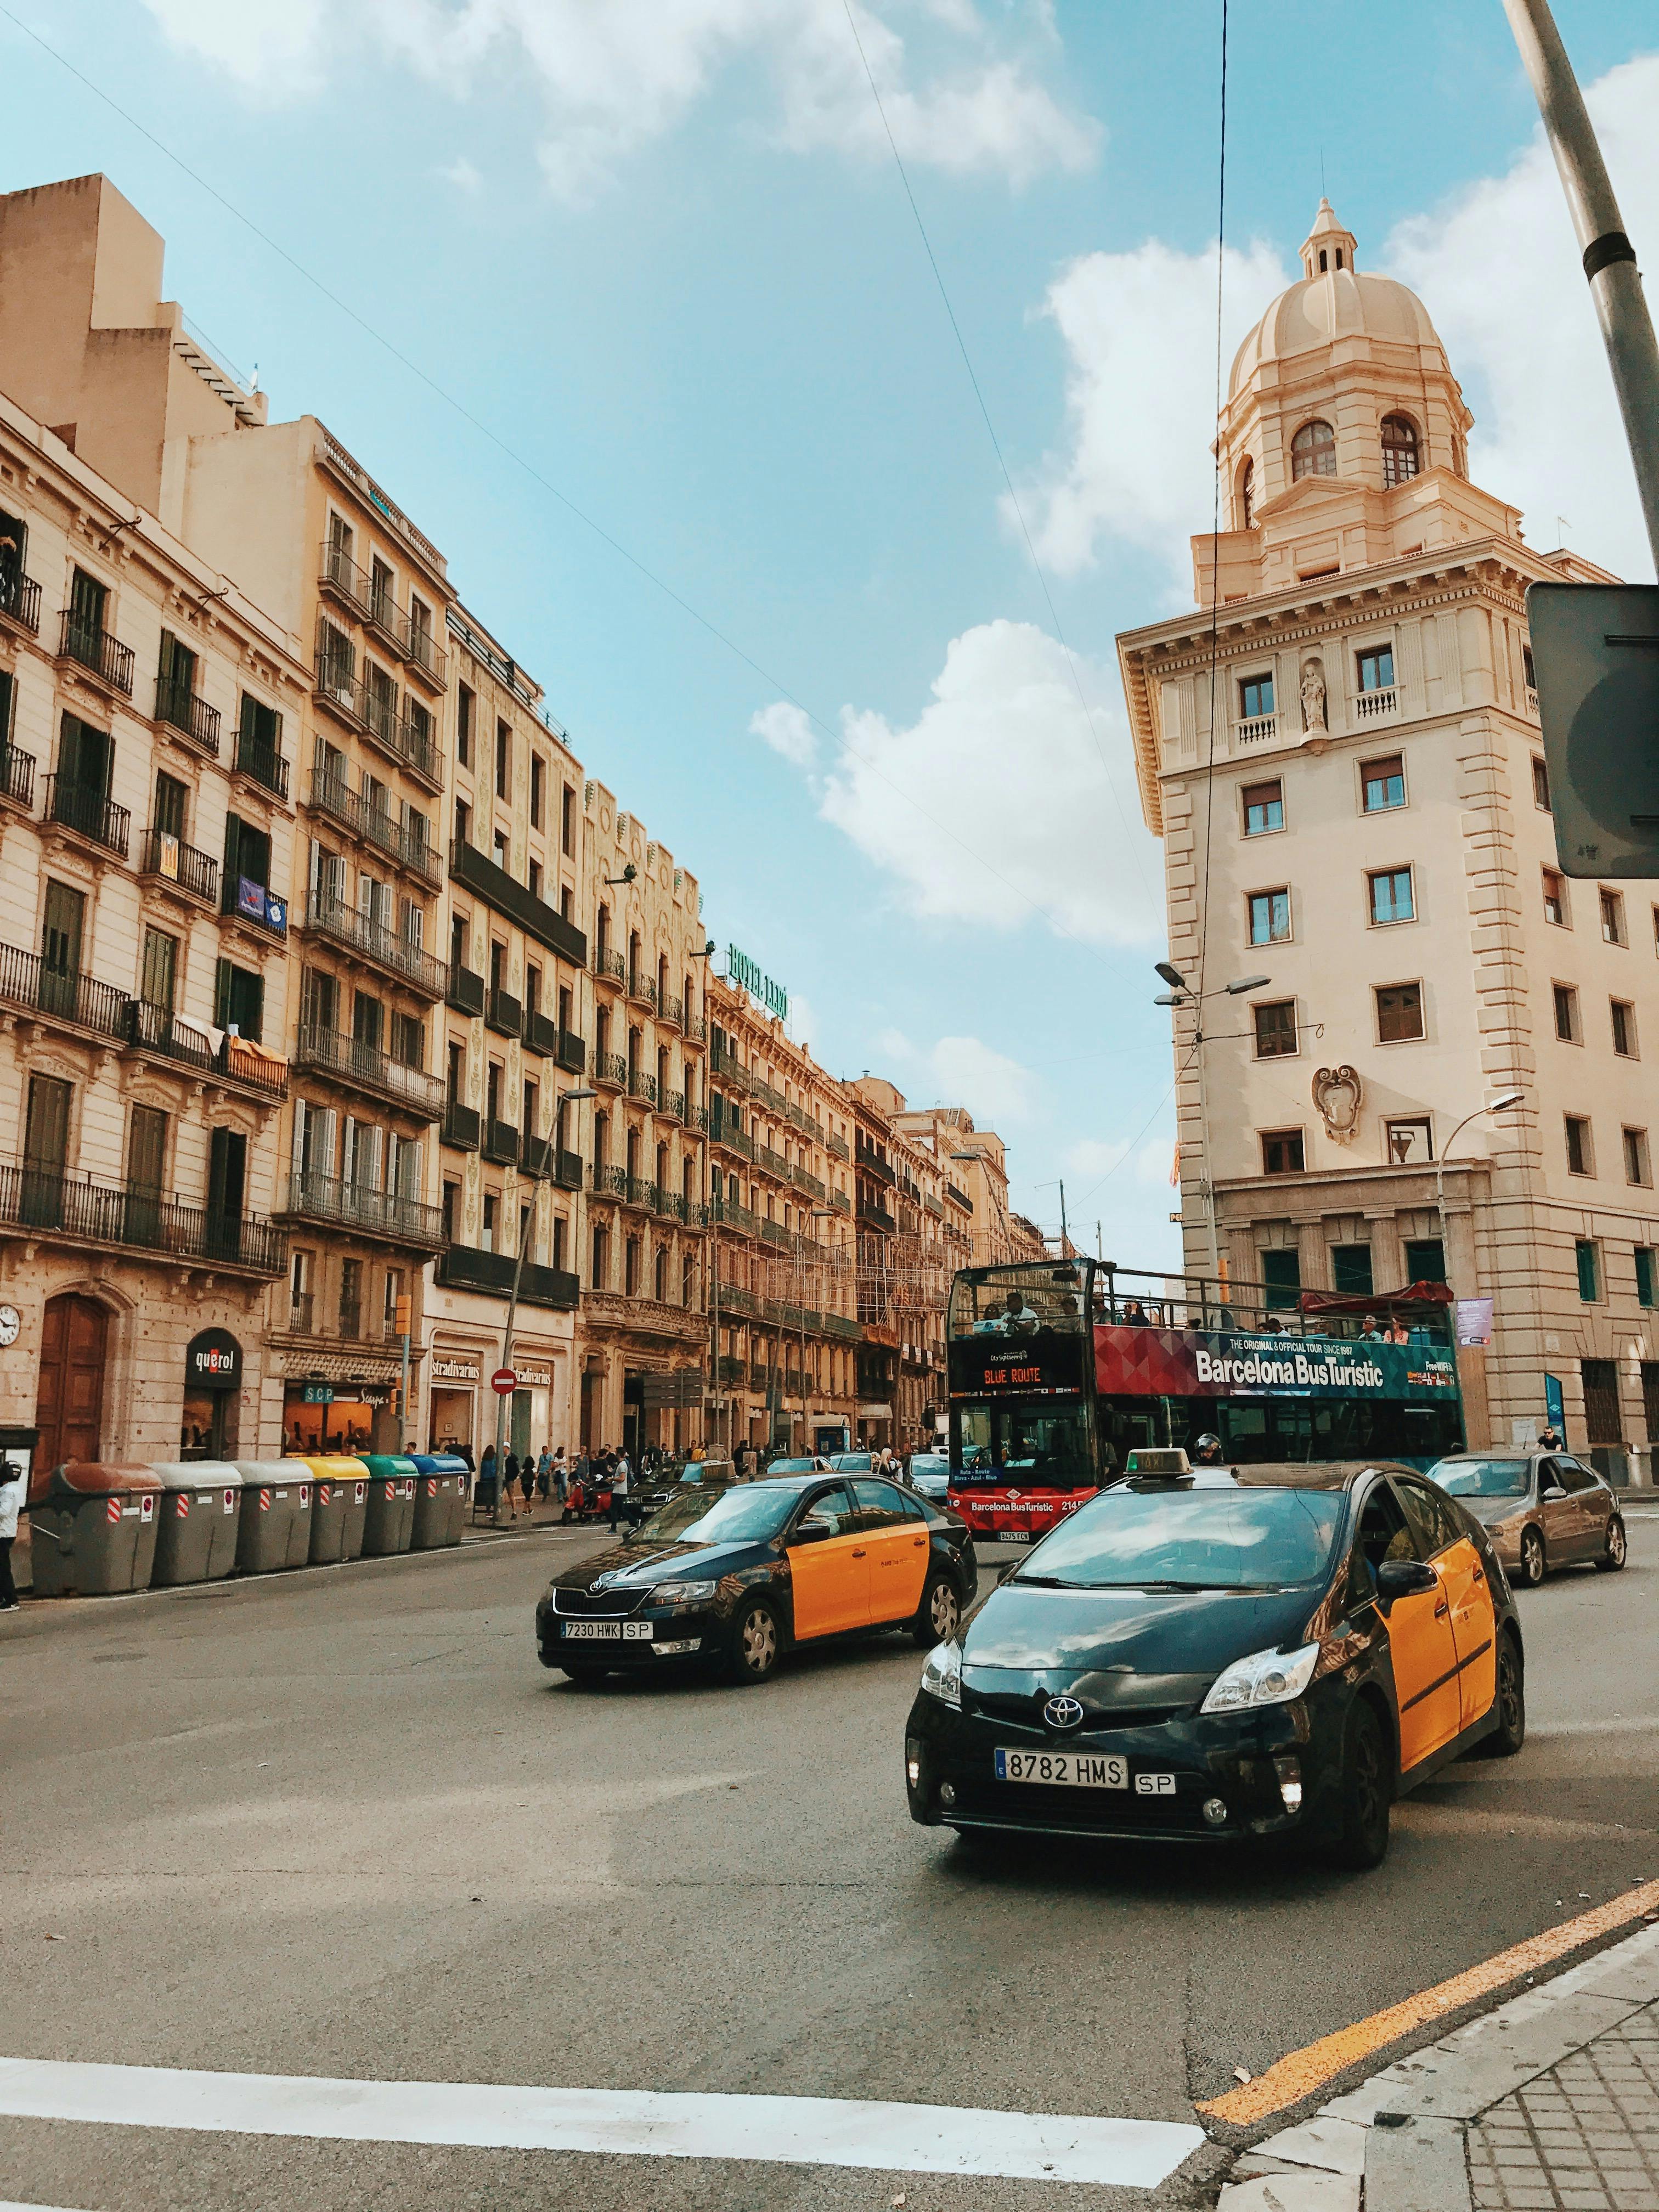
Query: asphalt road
x=343, y=1823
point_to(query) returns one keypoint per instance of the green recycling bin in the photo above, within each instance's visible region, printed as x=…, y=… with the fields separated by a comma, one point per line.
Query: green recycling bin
x=94, y=1525
x=339, y=1501
x=197, y=1518
x=274, y=1528
x=390, y=1521
x=440, y=1500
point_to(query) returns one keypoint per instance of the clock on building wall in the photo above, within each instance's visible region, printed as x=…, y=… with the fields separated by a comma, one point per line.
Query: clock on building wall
x=11, y=1324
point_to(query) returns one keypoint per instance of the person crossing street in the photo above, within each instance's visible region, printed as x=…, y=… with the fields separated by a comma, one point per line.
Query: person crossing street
x=622, y=1475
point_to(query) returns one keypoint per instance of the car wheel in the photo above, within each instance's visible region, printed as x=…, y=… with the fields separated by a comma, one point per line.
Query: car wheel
x=1366, y=1792
x=1614, y=1558
x=1532, y=1557
x=940, y=1614
x=755, y=1643
x=1510, y=1702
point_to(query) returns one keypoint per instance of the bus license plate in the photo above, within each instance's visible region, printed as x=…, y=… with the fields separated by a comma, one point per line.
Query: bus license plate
x=615, y=1632
x=1075, y=1769
x=1011, y=1535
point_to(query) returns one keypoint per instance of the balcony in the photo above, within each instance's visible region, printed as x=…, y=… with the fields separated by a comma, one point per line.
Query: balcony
x=340, y=576
x=86, y=814
x=695, y=1028
x=404, y=844
x=726, y=1213
x=302, y=1313
x=81, y=1209
x=462, y=1269
x=16, y=777
x=810, y=1183
x=461, y=1126
x=875, y=1216
x=261, y=764
x=373, y=713
x=164, y=1035
x=774, y=1232
x=178, y=705
x=517, y=902
x=380, y=1213
x=608, y=966
x=501, y=1142
x=644, y=989
x=610, y=1069
x=504, y=1013
x=772, y=1163
x=573, y=1053
x=256, y=906
x=836, y=1148
x=1256, y=730
x=841, y=1201
x=101, y=654
x=541, y=1033
x=563, y=1170
x=672, y=1205
x=1376, y=706
x=427, y=657
x=697, y=1119
x=167, y=860
x=363, y=1066
x=642, y=1086
x=81, y=1001
x=607, y=1181
x=958, y=1197
x=383, y=948
x=673, y=1102
x=734, y=1140
x=464, y=990
x=19, y=600
x=671, y=1010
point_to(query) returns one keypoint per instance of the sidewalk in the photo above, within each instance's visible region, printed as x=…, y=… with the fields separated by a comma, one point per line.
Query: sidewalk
x=1550, y=2104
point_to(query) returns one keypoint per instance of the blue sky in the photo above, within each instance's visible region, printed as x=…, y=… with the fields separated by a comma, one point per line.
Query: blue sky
x=660, y=248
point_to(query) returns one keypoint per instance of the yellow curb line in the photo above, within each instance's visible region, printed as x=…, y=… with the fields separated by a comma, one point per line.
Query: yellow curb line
x=1292, y=2078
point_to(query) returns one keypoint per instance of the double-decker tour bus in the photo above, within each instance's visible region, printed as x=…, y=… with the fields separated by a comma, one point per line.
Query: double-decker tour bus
x=1058, y=1369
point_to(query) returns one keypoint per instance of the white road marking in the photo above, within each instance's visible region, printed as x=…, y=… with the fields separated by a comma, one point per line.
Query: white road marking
x=626, y=2123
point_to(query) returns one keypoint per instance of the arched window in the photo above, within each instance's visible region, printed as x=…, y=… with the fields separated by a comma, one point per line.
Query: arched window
x=1313, y=452
x=1247, y=495
x=1399, y=460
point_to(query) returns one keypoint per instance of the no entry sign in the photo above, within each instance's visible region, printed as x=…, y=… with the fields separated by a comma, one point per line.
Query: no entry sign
x=504, y=1381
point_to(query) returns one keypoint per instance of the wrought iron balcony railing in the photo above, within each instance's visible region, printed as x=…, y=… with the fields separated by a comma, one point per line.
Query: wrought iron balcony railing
x=98, y=650
x=88, y=813
x=47, y=1200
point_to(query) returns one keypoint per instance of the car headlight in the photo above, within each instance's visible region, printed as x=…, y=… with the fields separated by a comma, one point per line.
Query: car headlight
x=682, y=1593
x=942, y=1675
x=1266, y=1677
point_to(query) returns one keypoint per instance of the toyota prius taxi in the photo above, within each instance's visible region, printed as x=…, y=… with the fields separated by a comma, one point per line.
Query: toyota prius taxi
x=1276, y=1652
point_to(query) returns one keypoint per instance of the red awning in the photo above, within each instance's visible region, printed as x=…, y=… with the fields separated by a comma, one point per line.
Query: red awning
x=1345, y=1302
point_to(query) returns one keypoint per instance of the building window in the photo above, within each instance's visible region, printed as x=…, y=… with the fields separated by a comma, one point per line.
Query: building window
x=1270, y=917
x=1612, y=918
x=1399, y=451
x=1247, y=495
x=1527, y=668
x=1377, y=669
x=1351, y=1270
x=1623, y=1029
x=1411, y=1142
x=1636, y=1168
x=1390, y=892
x=1644, y=1281
x=1579, y=1153
x=601, y=1276
x=1255, y=697
x=464, y=727
x=1425, y=1261
x=1399, y=1012
x=503, y=760
x=1555, y=898
x=1589, y=1270
x=1313, y=452
x=1281, y=1277
x=1567, y=1027
x=538, y=789
x=1275, y=1030
x=1281, y=1152
x=1382, y=784
x=1540, y=783
x=1264, y=808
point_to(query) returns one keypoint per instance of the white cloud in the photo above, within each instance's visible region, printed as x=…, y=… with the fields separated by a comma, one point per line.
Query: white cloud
x=1140, y=335
x=995, y=800
x=961, y=1071
x=788, y=732
x=1498, y=269
x=463, y=175
x=615, y=74
x=1096, y=1157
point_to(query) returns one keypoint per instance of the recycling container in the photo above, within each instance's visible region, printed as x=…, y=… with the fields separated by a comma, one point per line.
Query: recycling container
x=197, y=1517
x=440, y=1500
x=390, y=1521
x=94, y=1525
x=274, y=1528
x=339, y=1500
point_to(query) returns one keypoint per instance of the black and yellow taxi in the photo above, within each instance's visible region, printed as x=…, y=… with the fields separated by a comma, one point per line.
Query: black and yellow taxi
x=1257, y=1652
x=731, y=1580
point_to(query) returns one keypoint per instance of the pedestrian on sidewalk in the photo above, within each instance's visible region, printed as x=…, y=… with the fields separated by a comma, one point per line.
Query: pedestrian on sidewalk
x=527, y=1479
x=621, y=1477
x=510, y=1483
x=560, y=1475
x=487, y=1492
x=544, y=1474
x=13, y=1484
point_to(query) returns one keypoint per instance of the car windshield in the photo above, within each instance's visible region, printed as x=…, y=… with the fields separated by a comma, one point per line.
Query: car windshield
x=850, y=1463
x=739, y=1516
x=1191, y=1539
x=1483, y=1478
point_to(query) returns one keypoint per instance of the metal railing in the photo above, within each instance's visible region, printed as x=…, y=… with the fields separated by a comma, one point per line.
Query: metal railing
x=158, y=1030
x=672, y=1009
x=354, y=1206
x=461, y=1125
x=504, y=1014
x=331, y=796
x=368, y=1068
x=673, y=1102
x=573, y=1052
x=20, y=599
x=695, y=1028
x=464, y=990
x=169, y=858
x=97, y=649
x=376, y=713
x=774, y=1232
x=88, y=814
x=26, y=980
x=772, y=1162
x=246, y=900
x=610, y=966
x=333, y=918
x=804, y=1180
x=837, y=1149
x=727, y=1213
x=302, y=1312
x=734, y=1140
x=178, y=705
x=610, y=1067
x=641, y=1085
x=427, y=654
x=608, y=1181
x=16, y=774
x=267, y=766
x=44, y=1199
x=501, y=1141
x=642, y=987
x=541, y=1033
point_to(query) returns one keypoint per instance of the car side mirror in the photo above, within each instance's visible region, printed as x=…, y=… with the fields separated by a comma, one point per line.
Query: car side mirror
x=1552, y=1489
x=1405, y=1578
x=809, y=1532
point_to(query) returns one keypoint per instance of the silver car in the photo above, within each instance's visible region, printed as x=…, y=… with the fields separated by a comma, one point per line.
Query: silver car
x=1542, y=1510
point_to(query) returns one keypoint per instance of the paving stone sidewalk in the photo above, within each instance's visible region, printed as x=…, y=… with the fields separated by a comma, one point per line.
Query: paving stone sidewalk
x=1583, y=2137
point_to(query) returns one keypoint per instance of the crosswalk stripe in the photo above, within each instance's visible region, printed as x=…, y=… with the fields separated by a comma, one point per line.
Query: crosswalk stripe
x=636, y=2123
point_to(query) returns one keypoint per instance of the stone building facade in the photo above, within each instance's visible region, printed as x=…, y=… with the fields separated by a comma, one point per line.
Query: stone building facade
x=1359, y=830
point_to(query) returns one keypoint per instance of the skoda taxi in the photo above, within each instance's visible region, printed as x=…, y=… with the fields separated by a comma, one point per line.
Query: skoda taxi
x=1279, y=1652
x=733, y=1580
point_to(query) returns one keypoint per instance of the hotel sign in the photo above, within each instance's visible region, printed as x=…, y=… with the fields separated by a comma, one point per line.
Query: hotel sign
x=741, y=970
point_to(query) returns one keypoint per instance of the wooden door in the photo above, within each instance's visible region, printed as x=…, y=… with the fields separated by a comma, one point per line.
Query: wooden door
x=69, y=1409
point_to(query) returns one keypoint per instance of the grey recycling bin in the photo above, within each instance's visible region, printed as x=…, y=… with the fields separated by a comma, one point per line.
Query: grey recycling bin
x=94, y=1528
x=339, y=1502
x=274, y=1529
x=440, y=1500
x=198, y=1517
x=390, y=1522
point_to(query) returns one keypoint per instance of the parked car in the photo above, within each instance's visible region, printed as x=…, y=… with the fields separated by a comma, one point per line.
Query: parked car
x=1542, y=1510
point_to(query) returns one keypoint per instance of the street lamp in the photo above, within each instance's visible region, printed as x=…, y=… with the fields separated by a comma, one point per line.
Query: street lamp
x=1180, y=993
x=1503, y=1101
x=539, y=1177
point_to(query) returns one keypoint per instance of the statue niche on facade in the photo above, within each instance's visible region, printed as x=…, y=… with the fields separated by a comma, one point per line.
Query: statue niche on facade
x=1313, y=695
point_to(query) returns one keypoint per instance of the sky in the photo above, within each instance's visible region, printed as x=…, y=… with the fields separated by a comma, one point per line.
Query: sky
x=625, y=302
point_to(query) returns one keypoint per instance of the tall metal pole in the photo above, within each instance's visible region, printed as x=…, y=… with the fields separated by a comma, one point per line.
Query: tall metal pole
x=1065, y=1235
x=1609, y=258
